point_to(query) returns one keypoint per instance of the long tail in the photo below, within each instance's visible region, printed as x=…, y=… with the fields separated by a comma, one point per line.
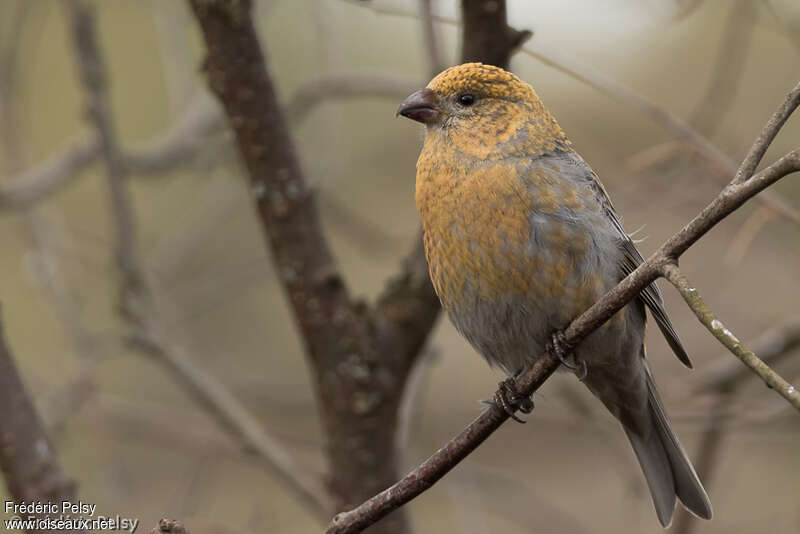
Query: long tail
x=666, y=467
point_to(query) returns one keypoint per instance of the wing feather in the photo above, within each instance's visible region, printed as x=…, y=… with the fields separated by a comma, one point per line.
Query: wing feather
x=632, y=258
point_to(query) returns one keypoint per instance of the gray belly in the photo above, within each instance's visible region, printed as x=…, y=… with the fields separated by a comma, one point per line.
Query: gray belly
x=508, y=332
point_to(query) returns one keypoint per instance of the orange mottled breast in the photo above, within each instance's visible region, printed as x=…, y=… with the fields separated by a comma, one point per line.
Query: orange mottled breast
x=492, y=230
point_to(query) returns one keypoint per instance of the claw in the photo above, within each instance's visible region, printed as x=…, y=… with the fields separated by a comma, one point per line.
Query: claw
x=559, y=347
x=507, y=399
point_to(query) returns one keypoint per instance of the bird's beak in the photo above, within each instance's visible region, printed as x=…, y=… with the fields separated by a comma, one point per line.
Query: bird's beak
x=420, y=106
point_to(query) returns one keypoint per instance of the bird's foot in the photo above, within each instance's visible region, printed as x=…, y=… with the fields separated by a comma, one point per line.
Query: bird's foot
x=508, y=399
x=562, y=350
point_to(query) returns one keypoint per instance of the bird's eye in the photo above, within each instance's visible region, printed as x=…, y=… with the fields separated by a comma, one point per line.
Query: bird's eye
x=466, y=99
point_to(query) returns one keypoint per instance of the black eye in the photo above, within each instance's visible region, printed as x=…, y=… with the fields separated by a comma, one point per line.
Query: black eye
x=466, y=99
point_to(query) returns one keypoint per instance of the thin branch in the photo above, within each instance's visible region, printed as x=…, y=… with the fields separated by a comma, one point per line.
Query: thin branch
x=765, y=138
x=775, y=202
x=441, y=462
x=771, y=346
x=93, y=77
x=747, y=233
x=233, y=416
x=183, y=141
x=726, y=337
x=47, y=177
x=731, y=56
x=345, y=86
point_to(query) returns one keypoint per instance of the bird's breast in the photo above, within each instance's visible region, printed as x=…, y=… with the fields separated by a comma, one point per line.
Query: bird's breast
x=499, y=229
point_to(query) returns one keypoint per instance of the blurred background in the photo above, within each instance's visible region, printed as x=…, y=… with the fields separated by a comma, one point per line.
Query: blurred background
x=139, y=445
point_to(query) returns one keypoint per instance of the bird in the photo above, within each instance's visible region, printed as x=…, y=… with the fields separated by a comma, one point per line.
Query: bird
x=521, y=237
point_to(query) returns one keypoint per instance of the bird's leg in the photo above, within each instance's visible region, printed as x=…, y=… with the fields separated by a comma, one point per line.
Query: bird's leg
x=510, y=400
x=562, y=350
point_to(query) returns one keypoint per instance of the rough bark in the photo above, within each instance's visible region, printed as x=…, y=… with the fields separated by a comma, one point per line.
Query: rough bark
x=486, y=35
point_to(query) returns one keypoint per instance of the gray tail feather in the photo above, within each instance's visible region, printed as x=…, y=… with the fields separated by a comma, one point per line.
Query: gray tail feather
x=666, y=467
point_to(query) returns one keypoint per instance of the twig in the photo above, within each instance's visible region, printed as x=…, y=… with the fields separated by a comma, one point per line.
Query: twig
x=436, y=466
x=47, y=177
x=233, y=416
x=726, y=337
x=337, y=87
x=737, y=36
x=767, y=135
x=747, y=233
x=771, y=346
x=93, y=76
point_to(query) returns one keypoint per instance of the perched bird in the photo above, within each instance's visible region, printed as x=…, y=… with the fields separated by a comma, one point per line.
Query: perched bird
x=521, y=238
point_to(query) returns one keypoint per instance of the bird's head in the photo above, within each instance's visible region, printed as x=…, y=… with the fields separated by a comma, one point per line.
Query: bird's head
x=484, y=107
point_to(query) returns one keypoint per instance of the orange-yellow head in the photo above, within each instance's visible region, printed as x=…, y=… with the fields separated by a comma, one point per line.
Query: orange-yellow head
x=485, y=112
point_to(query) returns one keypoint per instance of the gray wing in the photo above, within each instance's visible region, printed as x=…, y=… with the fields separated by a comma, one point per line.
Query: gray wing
x=651, y=295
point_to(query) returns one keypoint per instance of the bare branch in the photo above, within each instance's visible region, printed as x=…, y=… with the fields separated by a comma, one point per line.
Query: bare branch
x=233, y=416
x=27, y=458
x=486, y=35
x=732, y=52
x=34, y=184
x=441, y=462
x=726, y=337
x=771, y=346
x=93, y=76
x=747, y=233
x=768, y=133
x=344, y=86
x=183, y=141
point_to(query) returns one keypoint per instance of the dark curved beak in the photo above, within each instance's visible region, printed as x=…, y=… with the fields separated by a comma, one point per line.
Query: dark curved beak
x=420, y=106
